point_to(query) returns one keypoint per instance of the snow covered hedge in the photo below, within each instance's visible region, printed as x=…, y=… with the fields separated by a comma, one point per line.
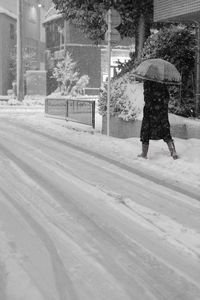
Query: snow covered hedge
x=126, y=98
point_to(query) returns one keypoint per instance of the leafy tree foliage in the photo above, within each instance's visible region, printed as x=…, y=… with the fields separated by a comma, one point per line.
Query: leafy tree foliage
x=89, y=15
x=176, y=44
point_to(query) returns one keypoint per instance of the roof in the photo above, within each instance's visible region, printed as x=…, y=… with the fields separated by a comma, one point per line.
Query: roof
x=52, y=14
x=7, y=13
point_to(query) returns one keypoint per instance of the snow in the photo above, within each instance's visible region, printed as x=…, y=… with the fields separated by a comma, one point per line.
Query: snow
x=185, y=170
x=49, y=214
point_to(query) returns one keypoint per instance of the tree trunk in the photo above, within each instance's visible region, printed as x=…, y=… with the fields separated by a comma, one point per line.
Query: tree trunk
x=142, y=32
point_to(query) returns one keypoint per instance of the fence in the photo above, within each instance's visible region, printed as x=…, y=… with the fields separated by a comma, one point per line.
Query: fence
x=80, y=110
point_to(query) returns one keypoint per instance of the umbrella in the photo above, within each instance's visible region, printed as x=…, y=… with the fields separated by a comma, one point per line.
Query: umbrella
x=159, y=70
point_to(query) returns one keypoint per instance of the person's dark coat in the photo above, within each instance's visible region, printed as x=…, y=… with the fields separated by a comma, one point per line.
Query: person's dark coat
x=155, y=123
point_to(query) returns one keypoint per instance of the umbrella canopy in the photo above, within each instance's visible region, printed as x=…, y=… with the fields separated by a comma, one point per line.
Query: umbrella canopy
x=158, y=70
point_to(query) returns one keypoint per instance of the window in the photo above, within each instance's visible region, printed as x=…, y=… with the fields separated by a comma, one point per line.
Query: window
x=12, y=31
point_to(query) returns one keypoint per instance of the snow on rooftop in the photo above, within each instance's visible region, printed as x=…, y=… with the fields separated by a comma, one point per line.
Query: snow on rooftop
x=7, y=12
x=52, y=14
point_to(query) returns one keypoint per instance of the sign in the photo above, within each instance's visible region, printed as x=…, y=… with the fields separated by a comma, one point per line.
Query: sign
x=115, y=18
x=114, y=36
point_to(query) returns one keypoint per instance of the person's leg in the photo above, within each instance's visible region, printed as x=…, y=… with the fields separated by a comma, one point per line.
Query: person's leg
x=172, y=149
x=145, y=148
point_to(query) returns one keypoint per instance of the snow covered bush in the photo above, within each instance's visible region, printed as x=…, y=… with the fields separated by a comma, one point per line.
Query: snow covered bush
x=14, y=102
x=126, y=98
x=68, y=77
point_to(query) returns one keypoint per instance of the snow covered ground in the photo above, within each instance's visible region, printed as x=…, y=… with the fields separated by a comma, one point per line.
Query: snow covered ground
x=68, y=231
x=185, y=171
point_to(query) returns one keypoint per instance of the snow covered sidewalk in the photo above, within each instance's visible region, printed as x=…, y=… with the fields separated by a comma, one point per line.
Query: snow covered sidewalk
x=183, y=172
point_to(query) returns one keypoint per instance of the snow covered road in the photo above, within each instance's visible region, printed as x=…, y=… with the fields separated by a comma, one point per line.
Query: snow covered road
x=74, y=226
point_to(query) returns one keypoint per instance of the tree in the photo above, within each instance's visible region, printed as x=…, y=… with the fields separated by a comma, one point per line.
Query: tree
x=88, y=15
x=176, y=44
x=68, y=78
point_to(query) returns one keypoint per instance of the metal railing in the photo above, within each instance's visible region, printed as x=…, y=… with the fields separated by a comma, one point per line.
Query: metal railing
x=80, y=110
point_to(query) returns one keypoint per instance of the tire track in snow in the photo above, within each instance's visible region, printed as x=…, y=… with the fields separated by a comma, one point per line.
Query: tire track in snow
x=3, y=280
x=17, y=283
x=63, y=282
x=24, y=166
x=142, y=173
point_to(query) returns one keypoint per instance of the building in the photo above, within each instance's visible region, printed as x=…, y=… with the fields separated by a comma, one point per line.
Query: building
x=64, y=36
x=185, y=11
x=34, y=38
x=176, y=10
x=7, y=48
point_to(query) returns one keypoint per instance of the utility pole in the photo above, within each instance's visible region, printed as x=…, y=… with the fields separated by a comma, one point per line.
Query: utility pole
x=109, y=63
x=20, y=37
x=112, y=36
x=39, y=7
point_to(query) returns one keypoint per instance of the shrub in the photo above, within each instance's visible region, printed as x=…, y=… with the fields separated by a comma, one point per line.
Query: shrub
x=123, y=100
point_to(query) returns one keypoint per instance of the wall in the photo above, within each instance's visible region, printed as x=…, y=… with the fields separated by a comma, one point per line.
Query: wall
x=180, y=127
x=89, y=63
x=167, y=9
x=36, y=82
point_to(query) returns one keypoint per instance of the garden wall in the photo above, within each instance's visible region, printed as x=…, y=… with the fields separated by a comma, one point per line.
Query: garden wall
x=180, y=127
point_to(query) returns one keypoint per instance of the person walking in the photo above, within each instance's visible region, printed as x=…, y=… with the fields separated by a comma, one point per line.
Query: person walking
x=155, y=123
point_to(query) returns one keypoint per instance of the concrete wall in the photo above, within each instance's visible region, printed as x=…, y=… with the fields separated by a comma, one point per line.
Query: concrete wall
x=183, y=128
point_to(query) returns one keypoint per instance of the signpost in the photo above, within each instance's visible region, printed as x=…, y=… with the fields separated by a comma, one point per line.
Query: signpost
x=112, y=36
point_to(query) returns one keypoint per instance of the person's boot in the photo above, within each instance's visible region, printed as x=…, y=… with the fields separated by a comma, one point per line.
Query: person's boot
x=172, y=149
x=145, y=148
